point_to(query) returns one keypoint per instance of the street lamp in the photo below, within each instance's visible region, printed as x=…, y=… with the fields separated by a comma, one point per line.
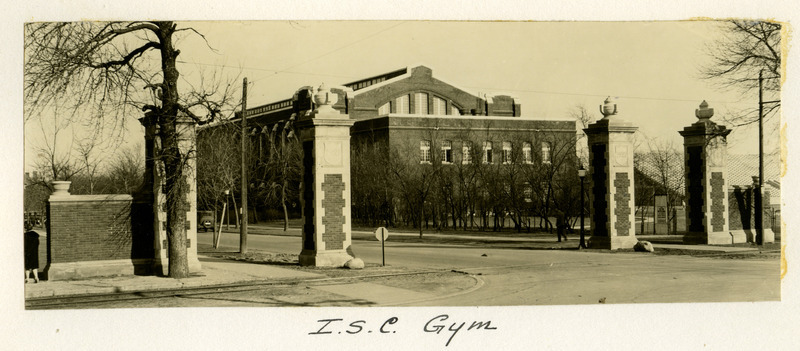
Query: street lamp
x=228, y=218
x=582, y=175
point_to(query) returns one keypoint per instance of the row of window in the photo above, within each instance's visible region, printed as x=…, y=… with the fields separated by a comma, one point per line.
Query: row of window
x=402, y=105
x=487, y=152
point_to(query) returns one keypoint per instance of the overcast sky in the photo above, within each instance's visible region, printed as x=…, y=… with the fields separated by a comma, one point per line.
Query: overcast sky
x=651, y=68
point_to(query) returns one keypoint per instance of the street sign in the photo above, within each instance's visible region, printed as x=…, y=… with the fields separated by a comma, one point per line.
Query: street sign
x=381, y=234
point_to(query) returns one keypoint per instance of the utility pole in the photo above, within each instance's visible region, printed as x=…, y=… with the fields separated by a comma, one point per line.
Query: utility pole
x=243, y=227
x=758, y=210
x=759, y=214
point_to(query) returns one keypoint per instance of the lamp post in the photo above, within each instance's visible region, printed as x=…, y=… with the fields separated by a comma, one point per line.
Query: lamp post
x=228, y=218
x=582, y=175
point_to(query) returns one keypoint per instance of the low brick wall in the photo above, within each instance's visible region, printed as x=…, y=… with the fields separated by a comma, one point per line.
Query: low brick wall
x=90, y=235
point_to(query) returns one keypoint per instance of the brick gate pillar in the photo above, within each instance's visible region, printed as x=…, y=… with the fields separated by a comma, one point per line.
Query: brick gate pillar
x=325, y=194
x=705, y=152
x=154, y=180
x=611, y=180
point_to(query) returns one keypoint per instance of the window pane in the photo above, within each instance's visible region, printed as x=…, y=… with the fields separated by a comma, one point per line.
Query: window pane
x=455, y=111
x=466, y=153
x=425, y=151
x=526, y=152
x=384, y=109
x=421, y=103
x=439, y=106
x=401, y=104
x=487, y=152
x=447, y=151
x=545, y=152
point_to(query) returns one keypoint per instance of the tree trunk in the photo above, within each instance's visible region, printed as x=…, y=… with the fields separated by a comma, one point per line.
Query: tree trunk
x=175, y=182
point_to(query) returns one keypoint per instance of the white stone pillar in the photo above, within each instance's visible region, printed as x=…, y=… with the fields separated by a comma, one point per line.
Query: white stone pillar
x=705, y=153
x=325, y=190
x=611, y=181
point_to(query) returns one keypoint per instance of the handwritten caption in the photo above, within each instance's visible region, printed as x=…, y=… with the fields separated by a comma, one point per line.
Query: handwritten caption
x=439, y=325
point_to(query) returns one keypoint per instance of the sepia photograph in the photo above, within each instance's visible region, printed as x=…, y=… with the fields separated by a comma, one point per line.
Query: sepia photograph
x=379, y=178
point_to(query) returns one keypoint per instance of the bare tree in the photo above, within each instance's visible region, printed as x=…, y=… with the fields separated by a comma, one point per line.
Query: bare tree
x=746, y=49
x=101, y=70
x=282, y=169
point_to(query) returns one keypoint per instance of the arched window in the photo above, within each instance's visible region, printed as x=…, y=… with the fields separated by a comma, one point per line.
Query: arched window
x=439, y=106
x=421, y=103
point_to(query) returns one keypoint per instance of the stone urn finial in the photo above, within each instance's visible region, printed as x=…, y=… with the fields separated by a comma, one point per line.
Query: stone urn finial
x=609, y=108
x=61, y=187
x=324, y=98
x=704, y=113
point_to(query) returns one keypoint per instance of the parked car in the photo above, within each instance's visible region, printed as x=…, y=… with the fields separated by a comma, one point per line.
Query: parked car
x=206, y=220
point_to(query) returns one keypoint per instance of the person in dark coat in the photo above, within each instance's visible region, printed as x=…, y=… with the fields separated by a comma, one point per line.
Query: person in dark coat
x=561, y=225
x=31, y=254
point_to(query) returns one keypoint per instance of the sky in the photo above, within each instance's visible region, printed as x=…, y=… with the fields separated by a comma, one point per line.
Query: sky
x=650, y=68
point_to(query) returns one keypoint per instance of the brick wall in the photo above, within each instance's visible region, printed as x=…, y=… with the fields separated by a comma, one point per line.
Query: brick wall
x=89, y=228
x=333, y=215
x=623, y=209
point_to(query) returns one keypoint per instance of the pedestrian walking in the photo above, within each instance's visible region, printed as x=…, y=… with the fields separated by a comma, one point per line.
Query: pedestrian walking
x=31, y=253
x=561, y=225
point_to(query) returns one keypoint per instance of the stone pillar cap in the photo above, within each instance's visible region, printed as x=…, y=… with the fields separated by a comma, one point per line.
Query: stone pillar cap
x=704, y=113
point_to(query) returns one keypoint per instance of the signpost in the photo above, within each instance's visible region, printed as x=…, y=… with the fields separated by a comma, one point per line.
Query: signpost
x=382, y=234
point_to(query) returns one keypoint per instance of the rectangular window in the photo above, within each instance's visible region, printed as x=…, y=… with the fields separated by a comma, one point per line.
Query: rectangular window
x=526, y=153
x=506, y=152
x=439, y=106
x=466, y=153
x=487, y=152
x=425, y=151
x=527, y=191
x=447, y=151
x=384, y=109
x=421, y=103
x=546, y=152
x=401, y=104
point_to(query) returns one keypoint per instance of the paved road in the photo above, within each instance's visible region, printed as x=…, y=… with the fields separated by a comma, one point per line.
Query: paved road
x=534, y=277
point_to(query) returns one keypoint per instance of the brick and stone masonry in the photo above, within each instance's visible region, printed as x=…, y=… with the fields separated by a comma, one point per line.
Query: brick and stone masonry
x=705, y=154
x=91, y=235
x=611, y=181
x=325, y=134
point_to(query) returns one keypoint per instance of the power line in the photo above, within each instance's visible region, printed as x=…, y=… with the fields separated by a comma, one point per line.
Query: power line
x=330, y=52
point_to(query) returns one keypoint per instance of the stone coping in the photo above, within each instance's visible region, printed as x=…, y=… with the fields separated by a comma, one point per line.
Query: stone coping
x=90, y=198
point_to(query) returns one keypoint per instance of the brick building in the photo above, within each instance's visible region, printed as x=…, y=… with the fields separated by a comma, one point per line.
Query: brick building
x=410, y=117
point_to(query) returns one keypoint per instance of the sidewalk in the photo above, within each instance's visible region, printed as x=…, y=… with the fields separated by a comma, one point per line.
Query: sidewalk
x=214, y=272
x=537, y=238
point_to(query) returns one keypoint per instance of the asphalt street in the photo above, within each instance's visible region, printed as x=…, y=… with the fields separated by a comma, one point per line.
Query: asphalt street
x=547, y=277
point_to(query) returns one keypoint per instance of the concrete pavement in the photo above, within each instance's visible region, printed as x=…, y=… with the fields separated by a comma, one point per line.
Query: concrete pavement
x=214, y=272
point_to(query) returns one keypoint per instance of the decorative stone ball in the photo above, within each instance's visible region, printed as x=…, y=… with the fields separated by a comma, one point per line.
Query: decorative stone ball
x=643, y=246
x=355, y=263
